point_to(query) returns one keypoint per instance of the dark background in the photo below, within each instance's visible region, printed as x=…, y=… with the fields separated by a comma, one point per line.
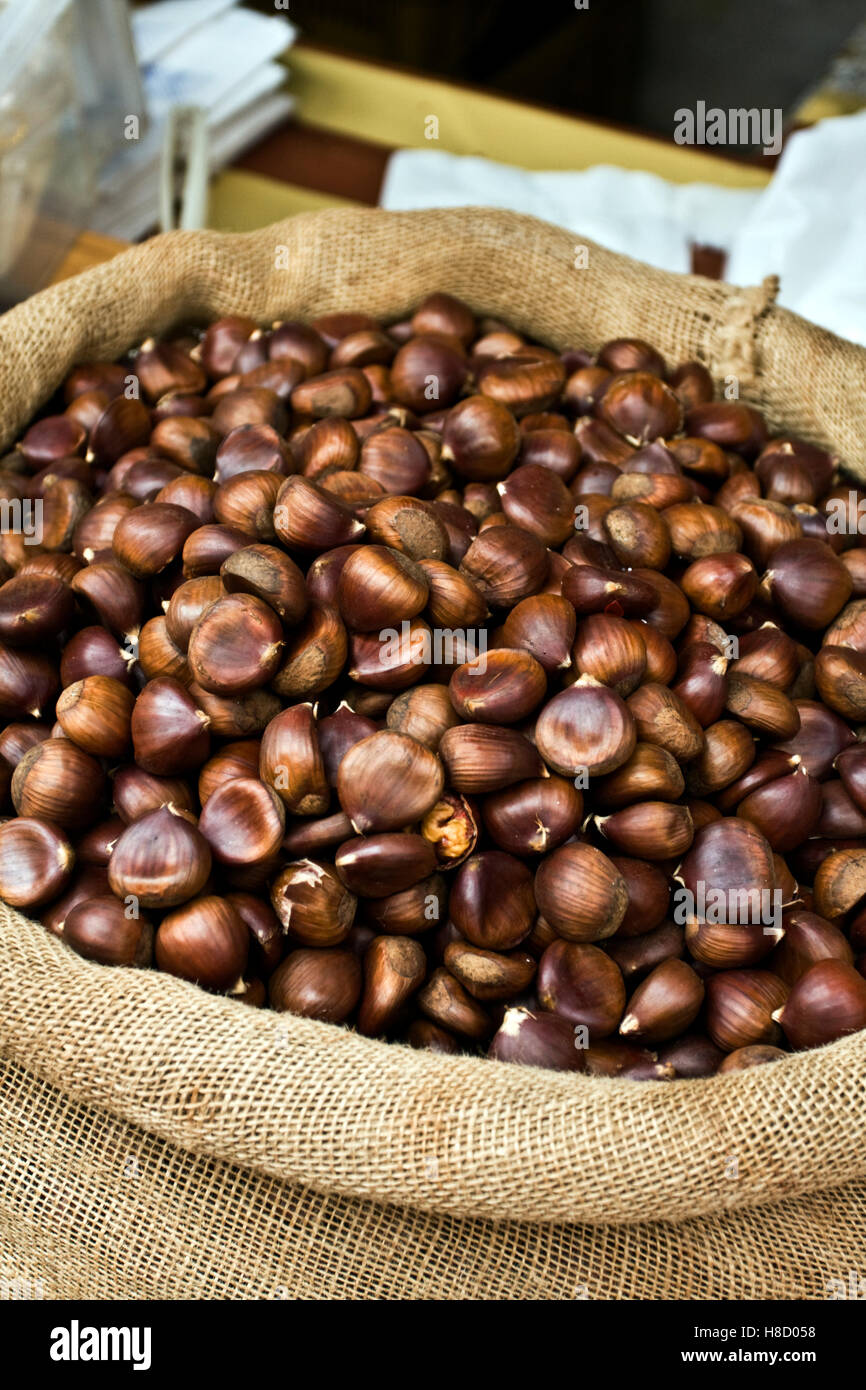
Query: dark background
x=631, y=62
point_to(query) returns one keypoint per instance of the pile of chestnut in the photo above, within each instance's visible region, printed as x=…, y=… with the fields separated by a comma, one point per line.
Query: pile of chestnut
x=420, y=678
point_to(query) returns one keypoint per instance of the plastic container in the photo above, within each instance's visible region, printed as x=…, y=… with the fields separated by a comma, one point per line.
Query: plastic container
x=67, y=75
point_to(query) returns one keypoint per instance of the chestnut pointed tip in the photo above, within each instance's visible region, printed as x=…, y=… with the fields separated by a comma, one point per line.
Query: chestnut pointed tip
x=629, y=1025
x=513, y=1021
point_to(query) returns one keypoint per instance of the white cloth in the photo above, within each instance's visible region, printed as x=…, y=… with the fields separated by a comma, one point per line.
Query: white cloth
x=808, y=226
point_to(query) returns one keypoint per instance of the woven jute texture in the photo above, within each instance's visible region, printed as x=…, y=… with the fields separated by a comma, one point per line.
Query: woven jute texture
x=156, y=1141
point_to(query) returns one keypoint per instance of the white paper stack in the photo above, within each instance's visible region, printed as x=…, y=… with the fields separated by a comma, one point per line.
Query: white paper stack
x=205, y=53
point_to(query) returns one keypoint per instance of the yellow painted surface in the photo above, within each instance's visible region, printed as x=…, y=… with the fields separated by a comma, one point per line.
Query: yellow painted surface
x=241, y=202
x=391, y=108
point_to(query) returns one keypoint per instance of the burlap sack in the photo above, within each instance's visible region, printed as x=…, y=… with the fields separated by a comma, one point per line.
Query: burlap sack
x=158, y=1142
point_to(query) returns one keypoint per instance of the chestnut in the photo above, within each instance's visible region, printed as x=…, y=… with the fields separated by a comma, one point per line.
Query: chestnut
x=649, y=829
x=727, y=754
x=694, y=1055
x=821, y=737
x=376, y=866
x=755, y=1056
x=243, y=821
x=266, y=933
x=35, y=861
x=312, y=903
x=489, y=974
x=586, y=727
x=117, y=600
x=611, y=650
x=698, y=529
x=246, y=503
x=741, y=1008
x=325, y=984
x=786, y=810
x=387, y=781
x=169, y=733
x=631, y=355
x=825, y=1003
x=34, y=609
x=380, y=588
x=840, y=675
x=96, y=713
x=636, y=956
x=422, y=530
x=506, y=564
x=290, y=761
x=651, y=773
x=161, y=859
x=238, y=759
x=452, y=599
x=424, y=713
x=501, y=687
x=206, y=941
x=446, y=1003
x=580, y=893
x=592, y=589
x=158, y=655
x=665, y=1004
x=57, y=781
x=308, y=518
x=304, y=836
x=136, y=792
x=396, y=459
x=807, y=582
x=314, y=655
x=840, y=881
x=410, y=911
x=648, y=895
x=611, y=1057
x=535, y=499
x=726, y=946
x=150, y=537
x=543, y=625
x=206, y=550
x=344, y=392
x=732, y=424
x=721, y=586
x=730, y=868
x=579, y=982
x=394, y=967
x=101, y=929
x=807, y=939
x=769, y=655
x=492, y=903
x=236, y=645
x=536, y=1039
x=533, y=817
x=482, y=758
x=692, y=383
